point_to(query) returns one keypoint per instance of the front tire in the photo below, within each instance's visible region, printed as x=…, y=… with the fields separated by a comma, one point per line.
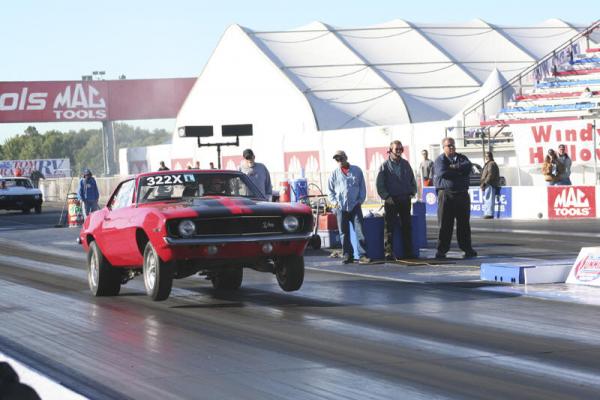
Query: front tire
x=290, y=272
x=103, y=278
x=158, y=279
x=228, y=278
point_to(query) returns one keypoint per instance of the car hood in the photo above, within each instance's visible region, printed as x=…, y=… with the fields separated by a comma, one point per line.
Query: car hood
x=224, y=206
x=19, y=191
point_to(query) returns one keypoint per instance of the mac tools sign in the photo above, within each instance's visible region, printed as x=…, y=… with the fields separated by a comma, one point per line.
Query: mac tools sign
x=571, y=202
x=53, y=101
x=532, y=141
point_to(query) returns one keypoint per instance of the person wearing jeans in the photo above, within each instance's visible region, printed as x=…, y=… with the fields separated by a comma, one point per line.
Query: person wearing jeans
x=347, y=192
x=490, y=185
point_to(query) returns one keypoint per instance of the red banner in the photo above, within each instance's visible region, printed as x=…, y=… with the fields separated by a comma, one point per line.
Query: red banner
x=92, y=100
x=571, y=202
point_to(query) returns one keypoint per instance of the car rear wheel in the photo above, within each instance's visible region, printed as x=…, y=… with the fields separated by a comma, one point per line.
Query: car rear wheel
x=290, y=272
x=228, y=278
x=157, y=275
x=38, y=209
x=103, y=278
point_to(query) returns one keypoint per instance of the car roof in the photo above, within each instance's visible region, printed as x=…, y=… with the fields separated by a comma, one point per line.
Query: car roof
x=187, y=171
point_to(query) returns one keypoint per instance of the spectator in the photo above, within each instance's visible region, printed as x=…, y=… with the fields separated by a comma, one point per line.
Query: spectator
x=490, y=185
x=35, y=177
x=396, y=185
x=425, y=171
x=162, y=166
x=587, y=93
x=552, y=168
x=347, y=191
x=88, y=193
x=3, y=184
x=211, y=165
x=258, y=173
x=197, y=165
x=18, y=171
x=451, y=176
x=565, y=177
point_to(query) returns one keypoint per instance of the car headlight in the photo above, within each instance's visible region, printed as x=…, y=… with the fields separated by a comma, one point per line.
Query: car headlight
x=290, y=223
x=187, y=228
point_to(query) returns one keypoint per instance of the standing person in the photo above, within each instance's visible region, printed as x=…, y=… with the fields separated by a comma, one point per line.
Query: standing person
x=18, y=171
x=347, y=191
x=425, y=171
x=197, y=165
x=451, y=176
x=258, y=173
x=88, y=193
x=396, y=185
x=490, y=185
x=552, y=168
x=162, y=166
x=211, y=165
x=35, y=177
x=565, y=177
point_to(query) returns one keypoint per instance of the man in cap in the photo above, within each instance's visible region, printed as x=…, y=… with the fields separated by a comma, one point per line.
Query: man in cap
x=396, y=186
x=347, y=191
x=88, y=192
x=258, y=173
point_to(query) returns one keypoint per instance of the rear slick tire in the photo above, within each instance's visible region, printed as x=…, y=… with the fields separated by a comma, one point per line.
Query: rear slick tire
x=103, y=278
x=158, y=279
x=228, y=278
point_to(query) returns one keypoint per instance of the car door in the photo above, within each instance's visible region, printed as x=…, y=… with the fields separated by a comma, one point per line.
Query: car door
x=118, y=243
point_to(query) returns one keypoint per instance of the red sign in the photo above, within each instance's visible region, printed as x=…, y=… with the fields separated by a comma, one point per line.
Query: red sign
x=571, y=202
x=92, y=100
x=298, y=161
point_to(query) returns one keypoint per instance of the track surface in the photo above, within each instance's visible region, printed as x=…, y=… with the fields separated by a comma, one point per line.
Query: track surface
x=341, y=336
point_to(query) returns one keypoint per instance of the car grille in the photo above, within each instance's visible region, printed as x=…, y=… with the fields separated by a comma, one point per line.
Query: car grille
x=241, y=225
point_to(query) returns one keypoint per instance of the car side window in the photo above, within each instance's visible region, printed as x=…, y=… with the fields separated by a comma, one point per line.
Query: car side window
x=124, y=195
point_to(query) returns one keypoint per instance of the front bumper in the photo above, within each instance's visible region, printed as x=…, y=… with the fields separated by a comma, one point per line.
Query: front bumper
x=218, y=240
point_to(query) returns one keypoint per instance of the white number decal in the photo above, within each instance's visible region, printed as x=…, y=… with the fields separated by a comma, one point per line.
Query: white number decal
x=164, y=180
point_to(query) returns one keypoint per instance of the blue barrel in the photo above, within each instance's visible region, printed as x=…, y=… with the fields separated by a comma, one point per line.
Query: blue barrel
x=397, y=245
x=419, y=224
x=299, y=189
x=373, y=231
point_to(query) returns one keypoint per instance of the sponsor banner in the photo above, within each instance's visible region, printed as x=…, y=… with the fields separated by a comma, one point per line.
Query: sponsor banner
x=51, y=168
x=301, y=162
x=571, y=202
x=92, y=100
x=532, y=141
x=503, y=202
x=586, y=269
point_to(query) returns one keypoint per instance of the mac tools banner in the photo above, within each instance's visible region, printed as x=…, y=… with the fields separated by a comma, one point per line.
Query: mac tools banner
x=532, y=141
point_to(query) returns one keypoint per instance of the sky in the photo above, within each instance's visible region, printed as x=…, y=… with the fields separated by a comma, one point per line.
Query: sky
x=65, y=39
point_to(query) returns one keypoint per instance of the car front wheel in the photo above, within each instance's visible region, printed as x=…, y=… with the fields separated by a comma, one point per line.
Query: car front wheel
x=157, y=275
x=38, y=209
x=103, y=278
x=290, y=272
x=228, y=278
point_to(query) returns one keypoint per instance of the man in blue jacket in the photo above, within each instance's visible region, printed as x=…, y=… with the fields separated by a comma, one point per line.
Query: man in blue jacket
x=88, y=193
x=347, y=191
x=396, y=185
x=451, y=177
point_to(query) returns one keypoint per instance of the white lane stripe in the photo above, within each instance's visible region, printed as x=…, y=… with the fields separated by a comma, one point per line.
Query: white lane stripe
x=47, y=389
x=383, y=278
x=535, y=232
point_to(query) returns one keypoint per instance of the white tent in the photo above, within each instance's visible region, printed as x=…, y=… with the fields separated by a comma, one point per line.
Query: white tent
x=295, y=85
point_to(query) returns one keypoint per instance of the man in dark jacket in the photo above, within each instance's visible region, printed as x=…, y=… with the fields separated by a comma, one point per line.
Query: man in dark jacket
x=490, y=185
x=451, y=177
x=396, y=185
x=88, y=193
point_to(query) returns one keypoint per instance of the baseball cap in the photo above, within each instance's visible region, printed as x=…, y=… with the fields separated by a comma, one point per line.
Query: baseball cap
x=248, y=153
x=339, y=153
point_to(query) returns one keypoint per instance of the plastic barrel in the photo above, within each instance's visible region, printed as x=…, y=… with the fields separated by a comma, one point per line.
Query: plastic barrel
x=284, y=192
x=299, y=190
x=74, y=212
x=373, y=231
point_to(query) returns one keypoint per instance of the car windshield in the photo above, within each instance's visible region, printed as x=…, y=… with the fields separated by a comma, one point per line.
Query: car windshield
x=188, y=186
x=9, y=183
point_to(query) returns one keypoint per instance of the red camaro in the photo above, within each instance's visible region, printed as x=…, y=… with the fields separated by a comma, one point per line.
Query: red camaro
x=172, y=224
